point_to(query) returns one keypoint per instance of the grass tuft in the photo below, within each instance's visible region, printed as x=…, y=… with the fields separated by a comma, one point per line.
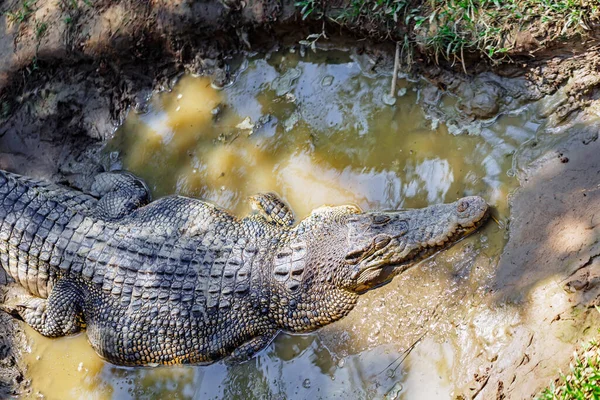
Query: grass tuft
x=583, y=382
x=22, y=13
x=40, y=29
x=450, y=29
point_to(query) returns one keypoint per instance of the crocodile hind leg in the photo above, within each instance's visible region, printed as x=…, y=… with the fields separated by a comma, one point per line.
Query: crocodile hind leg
x=120, y=193
x=59, y=315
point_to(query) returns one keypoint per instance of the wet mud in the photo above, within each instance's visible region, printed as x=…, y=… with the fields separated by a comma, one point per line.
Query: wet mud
x=64, y=93
x=550, y=266
x=12, y=340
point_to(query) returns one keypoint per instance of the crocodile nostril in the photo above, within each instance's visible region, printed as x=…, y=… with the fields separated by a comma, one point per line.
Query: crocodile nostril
x=381, y=241
x=381, y=219
x=462, y=206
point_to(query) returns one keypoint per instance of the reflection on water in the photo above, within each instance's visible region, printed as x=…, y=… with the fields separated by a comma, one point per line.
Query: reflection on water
x=316, y=131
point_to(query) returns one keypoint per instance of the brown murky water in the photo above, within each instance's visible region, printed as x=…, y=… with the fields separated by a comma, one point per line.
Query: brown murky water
x=315, y=130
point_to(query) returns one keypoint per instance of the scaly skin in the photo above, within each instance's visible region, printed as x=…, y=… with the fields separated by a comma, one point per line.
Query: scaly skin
x=179, y=280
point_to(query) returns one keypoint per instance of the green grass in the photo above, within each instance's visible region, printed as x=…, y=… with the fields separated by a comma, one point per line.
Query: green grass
x=74, y=4
x=583, y=381
x=451, y=28
x=23, y=12
x=490, y=26
x=307, y=7
x=40, y=29
x=4, y=110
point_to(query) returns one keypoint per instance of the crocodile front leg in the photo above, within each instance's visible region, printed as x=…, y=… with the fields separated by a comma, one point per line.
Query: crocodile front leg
x=274, y=209
x=59, y=315
x=120, y=193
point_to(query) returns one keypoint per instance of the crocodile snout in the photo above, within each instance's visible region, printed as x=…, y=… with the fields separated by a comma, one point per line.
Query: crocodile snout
x=471, y=210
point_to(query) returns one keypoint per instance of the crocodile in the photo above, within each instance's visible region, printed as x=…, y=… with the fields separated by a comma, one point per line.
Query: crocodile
x=181, y=281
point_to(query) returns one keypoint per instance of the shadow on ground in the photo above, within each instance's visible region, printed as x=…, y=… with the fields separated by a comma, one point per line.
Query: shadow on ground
x=550, y=268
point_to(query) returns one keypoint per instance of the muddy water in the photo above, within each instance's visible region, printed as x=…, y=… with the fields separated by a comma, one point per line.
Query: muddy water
x=315, y=130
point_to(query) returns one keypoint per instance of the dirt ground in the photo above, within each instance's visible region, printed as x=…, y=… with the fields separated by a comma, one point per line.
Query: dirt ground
x=550, y=268
x=69, y=73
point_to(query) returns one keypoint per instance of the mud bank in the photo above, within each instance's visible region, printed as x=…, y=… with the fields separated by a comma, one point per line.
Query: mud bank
x=120, y=51
x=549, y=271
x=70, y=73
x=12, y=343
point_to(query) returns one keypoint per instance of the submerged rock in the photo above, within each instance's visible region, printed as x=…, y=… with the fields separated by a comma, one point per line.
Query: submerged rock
x=484, y=102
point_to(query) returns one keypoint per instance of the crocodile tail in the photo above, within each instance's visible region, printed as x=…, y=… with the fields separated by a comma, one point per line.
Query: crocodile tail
x=33, y=215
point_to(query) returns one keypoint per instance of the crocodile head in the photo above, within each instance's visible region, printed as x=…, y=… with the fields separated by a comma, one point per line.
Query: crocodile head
x=337, y=253
x=381, y=245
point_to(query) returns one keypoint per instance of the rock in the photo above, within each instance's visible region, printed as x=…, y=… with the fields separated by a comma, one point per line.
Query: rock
x=484, y=105
x=485, y=102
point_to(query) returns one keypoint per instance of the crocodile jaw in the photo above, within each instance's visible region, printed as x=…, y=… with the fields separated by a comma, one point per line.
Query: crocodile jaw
x=419, y=234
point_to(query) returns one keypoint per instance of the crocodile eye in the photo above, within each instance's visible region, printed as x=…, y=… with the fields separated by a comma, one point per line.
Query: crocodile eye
x=381, y=219
x=462, y=206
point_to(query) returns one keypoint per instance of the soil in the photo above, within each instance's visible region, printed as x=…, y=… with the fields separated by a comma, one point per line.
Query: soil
x=69, y=73
x=550, y=268
x=12, y=341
